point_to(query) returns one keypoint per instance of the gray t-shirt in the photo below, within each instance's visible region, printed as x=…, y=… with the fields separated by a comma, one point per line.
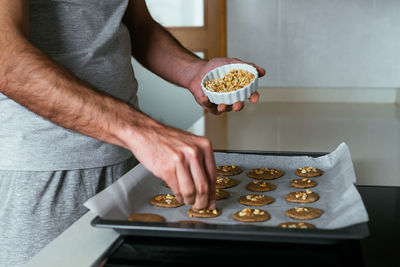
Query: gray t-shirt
x=88, y=38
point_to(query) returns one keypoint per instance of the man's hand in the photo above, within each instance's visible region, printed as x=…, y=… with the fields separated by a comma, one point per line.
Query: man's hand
x=195, y=85
x=184, y=161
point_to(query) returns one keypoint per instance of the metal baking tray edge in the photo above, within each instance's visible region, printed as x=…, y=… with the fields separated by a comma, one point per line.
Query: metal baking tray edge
x=238, y=232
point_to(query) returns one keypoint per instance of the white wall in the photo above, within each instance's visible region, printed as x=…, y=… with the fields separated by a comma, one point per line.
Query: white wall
x=318, y=43
x=159, y=99
x=165, y=102
x=349, y=46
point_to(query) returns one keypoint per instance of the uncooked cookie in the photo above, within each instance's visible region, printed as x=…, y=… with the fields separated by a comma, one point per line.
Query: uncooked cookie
x=165, y=201
x=221, y=194
x=146, y=217
x=251, y=215
x=302, y=197
x=225, y=182
x=258, y=186
x=265, y=173
x=309, y=172
x=204, y=213
x=304, y=213
x=228, y=170
x=303, y=183
x=297, y=225
x=255, y=200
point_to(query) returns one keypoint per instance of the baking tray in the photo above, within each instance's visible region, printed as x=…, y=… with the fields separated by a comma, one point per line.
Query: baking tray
x=240, y=232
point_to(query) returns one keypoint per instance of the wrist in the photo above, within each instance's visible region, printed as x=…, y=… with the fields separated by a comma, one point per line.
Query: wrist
x=135, y=128
x=192, y=71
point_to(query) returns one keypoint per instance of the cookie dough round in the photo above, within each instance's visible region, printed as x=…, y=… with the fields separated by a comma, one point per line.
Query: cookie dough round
x=146, y=217
x=221, y=194
x=304, y=213
x=225, y=182
x=302, y=197
x=165, y=201
x=251, y=215
x=297, y=225
x=255, y=200
x=303, y=183
x=309, y=172
x=204, y=213
x=228, y=170
x=265, y=173
x=258, y=186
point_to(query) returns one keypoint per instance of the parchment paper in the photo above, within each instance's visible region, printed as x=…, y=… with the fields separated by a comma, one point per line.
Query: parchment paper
x=339, y=198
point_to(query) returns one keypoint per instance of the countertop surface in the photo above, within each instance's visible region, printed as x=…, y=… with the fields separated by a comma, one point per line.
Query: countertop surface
x=372, y=132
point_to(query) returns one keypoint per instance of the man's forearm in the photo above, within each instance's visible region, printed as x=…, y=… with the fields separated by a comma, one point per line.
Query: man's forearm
x=34, y=80
x=157, y=50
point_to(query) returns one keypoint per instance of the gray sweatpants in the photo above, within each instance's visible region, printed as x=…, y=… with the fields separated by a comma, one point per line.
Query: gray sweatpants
x=35, y=207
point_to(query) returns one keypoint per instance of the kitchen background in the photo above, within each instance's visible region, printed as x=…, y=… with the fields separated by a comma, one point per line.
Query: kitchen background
x=313, y=51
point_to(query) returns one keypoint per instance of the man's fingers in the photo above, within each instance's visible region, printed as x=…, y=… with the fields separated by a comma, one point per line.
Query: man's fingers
x=254, y=98
x=172, y=182
x=206, y=102
x=201, y=182
x=224, y=108
x=210, y=106
x=209, y=163
x=238, y=106
x=186, y=184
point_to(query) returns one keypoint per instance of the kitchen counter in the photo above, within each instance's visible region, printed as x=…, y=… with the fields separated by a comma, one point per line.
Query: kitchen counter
x=372, y=132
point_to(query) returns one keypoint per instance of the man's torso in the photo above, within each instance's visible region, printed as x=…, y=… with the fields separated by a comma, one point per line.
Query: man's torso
x=87, y=38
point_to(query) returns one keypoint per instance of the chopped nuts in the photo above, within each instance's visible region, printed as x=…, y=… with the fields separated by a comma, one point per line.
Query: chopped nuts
x=254, y=197
x=232, y=81
x=307, y=169
x=265, y=171
x=299, y=209
x=300, y=225
x=250, y=212
x=207, y=211
x=226, y=168
x=166, y=198
x=223, y=180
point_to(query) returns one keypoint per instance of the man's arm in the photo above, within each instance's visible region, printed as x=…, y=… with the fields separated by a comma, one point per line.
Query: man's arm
x=157, y=50
x=31, y=78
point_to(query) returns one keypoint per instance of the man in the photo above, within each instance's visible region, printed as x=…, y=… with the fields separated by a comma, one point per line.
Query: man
x=69, y=117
